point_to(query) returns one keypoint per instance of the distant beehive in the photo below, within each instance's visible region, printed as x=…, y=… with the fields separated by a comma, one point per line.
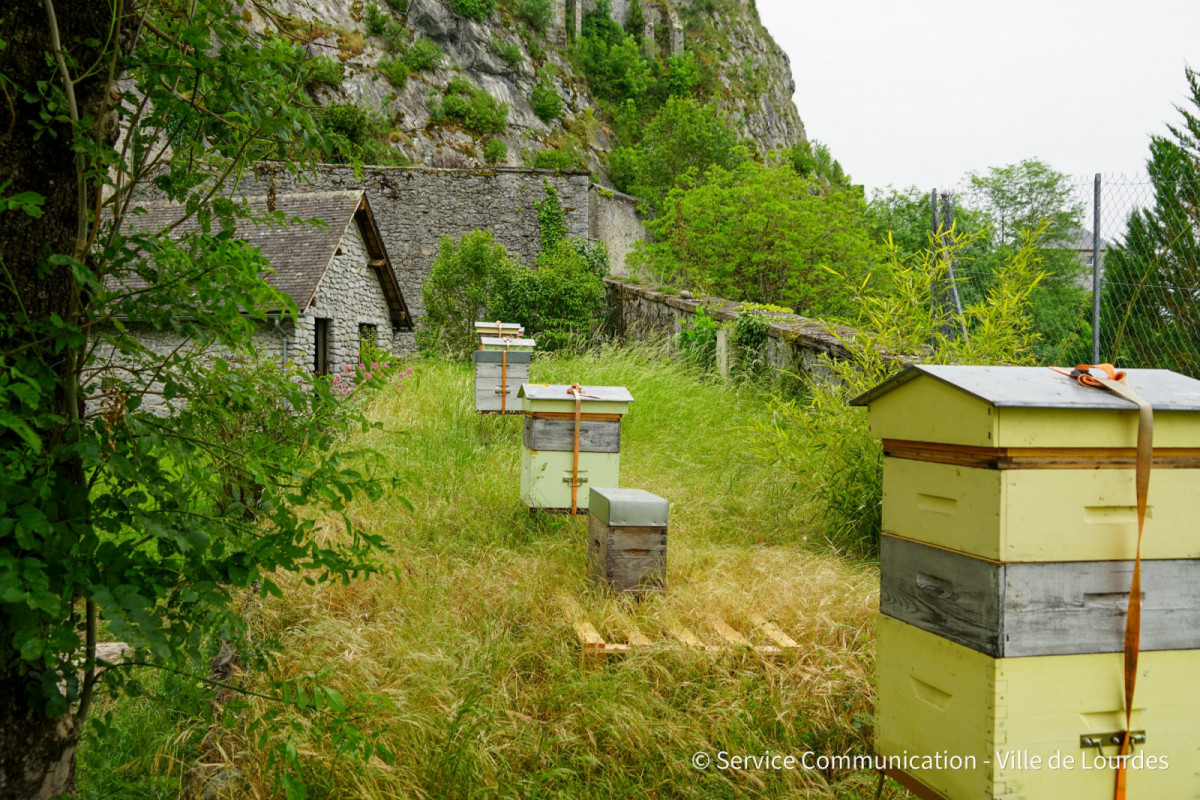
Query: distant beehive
x=501, y=367
x=1009, y=527
x=548, y=462
x=627, y=539
x=498, y=330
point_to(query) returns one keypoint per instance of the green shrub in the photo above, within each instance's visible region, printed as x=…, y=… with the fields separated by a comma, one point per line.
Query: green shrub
x=470, y=106
x=423, y=55
x=537, y=14
x=825, y=442
x=473, y=9
x=509, y=52
x=546, y=102
x=400, y=5
x=564, y=159
x=395, y=37
x=457, y=290
x=325, y=70
x=395, y=70
x=698, y=341
x=536, y=53
x=682, y=135
x=375, y=19
x=763, y=233
x=356, y=135
x=495, y=151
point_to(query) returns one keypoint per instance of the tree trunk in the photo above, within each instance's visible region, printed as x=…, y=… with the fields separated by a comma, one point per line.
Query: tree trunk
x=37, y=751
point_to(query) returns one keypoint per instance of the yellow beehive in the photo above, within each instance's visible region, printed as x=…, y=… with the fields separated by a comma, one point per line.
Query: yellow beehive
x=1012, y=715
x=1006, y=491
x=1024, y=464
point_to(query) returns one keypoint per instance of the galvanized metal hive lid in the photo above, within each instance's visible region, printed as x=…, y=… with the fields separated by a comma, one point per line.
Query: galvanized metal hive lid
x=558, y=391
x=492, y=326
x=1042, y=387
x=629, y=507
x=495, y=341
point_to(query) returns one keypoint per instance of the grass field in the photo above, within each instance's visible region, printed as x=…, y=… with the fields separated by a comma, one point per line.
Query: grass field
x=464, y=632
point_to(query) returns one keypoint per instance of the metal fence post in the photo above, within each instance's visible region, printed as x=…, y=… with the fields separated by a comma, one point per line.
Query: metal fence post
x=1096, y=272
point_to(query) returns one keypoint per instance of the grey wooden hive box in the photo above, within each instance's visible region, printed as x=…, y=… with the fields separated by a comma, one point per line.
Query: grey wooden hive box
x=499, y=373
x=627, y=539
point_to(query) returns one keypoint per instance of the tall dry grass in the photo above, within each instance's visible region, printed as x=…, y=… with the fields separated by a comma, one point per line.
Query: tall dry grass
x=464, y=633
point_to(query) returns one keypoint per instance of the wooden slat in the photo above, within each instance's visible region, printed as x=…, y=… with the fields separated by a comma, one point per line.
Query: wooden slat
x=1002, y=458
x=729, y=634
x=686, y=636
x=559, y=435
x=1037, y=609
x=566, y=415
x=635, y=637
x=772, y=632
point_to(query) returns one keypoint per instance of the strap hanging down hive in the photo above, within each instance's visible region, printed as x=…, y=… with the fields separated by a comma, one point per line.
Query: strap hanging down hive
x=572, y=441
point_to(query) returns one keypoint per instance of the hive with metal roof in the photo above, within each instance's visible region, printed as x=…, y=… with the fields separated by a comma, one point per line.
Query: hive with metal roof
x=1010, y=532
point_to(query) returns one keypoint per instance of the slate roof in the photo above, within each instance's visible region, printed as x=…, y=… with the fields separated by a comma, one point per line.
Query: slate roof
x=1042, y=387
x=299, y=252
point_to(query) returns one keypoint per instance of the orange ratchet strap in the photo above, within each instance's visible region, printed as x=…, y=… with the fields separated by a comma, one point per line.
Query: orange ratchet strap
x=576, y=390
x=1117, y=383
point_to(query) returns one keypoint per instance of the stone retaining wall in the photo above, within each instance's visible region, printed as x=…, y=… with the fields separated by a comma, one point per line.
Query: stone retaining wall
x=794, y=344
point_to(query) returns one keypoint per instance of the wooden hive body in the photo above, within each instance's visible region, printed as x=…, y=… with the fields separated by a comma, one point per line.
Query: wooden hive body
x=1010, y=524
x=547, y=459
x=627, y=539
x=933, y=695
x=498, y=373
x=1037, y=608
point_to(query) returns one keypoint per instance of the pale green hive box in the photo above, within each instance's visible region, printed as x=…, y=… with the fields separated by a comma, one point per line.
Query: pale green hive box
x=547, y=459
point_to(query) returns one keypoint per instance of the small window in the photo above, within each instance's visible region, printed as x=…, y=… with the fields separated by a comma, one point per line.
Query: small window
x=321, y=347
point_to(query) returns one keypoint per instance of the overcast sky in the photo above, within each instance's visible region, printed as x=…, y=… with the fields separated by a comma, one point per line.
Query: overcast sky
x=923, y=91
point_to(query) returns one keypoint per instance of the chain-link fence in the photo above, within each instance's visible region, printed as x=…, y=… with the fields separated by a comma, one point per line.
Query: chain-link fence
x=1139, y=236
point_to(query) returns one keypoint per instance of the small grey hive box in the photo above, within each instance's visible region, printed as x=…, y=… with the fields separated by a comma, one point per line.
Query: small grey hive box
x=501, y=366
x=627, y=539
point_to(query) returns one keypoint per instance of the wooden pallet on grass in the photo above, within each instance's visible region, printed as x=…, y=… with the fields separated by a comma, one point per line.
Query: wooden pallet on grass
x=596, y=649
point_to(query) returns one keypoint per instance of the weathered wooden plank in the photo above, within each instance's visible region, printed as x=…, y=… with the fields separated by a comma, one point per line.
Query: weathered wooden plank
x=517, y=374
x=729, y=634
x=1037, y=609
x=772, y=632
x=627, y=559
x=559, y=435
x=684, y=635
x=636, y=637
x=950, y=594
x=586, y=417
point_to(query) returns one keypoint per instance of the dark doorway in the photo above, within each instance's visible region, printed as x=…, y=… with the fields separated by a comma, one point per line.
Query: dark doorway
x=321, y=362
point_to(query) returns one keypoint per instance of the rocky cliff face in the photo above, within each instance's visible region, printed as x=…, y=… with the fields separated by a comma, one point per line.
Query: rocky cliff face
x=507, y=59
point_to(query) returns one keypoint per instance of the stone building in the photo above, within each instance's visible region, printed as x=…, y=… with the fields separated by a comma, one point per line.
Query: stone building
x=337, y=272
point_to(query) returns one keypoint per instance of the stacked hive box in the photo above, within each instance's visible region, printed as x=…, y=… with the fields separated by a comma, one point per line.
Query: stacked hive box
x=499, y=330
x=627, y=539
x=501, y=367
x=1009, y=532
x=548, y=459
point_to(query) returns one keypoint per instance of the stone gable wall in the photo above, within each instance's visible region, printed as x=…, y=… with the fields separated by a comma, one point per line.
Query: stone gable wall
x=349, y=295
x=415, y=206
